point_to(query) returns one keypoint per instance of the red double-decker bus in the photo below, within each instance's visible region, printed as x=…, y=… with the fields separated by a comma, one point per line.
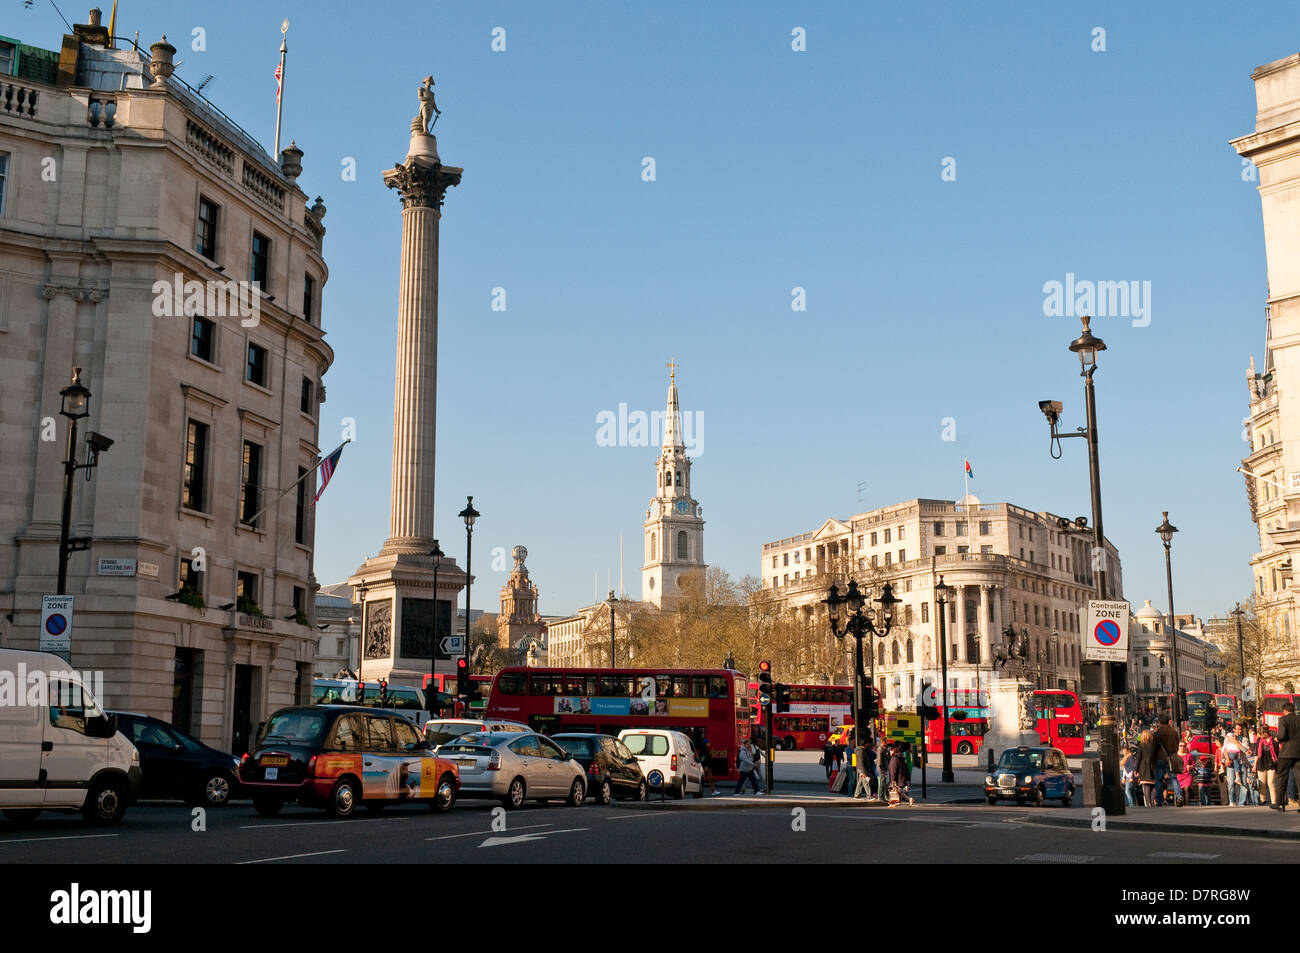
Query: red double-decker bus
x=712, y=703
x=815, y=710
x=1227, y=706
x=967, y=726
x=1270, y=708
x=1060, y=720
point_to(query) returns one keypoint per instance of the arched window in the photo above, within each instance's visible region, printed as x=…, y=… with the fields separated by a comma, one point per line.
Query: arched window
x=880, y=654
x=909, y=651
x=683, y=546
x=679, y=477
x=653, y=547
x=895, y=653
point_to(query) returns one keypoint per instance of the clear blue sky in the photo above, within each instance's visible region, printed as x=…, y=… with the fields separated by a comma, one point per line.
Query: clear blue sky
x=775, y=169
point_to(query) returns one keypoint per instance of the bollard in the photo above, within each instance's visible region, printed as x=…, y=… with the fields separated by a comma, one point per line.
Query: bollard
x=1091, y=783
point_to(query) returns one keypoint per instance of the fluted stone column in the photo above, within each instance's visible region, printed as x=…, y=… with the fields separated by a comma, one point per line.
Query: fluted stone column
x=986, y=634
x=421, y=181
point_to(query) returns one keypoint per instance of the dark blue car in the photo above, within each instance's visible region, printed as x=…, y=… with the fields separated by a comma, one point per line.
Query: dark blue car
x=1030, y=776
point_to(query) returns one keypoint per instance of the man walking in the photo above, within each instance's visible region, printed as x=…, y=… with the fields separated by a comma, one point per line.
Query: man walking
x=1166, y=748
x=865, y=758
x=1288, y=741
x=745, y=765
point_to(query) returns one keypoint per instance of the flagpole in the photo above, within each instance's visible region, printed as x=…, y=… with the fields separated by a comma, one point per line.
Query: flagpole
x=308, y=473
x=279, y=96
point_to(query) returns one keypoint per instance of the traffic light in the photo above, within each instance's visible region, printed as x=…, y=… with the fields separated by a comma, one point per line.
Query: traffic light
x=765, y=687
x=782, y=697
x=383, y=692
x=462, y=679
x=869, y=708
x=361, y=693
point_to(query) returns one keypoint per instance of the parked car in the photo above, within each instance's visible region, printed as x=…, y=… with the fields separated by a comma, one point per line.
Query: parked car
x=611, y=769
x=438, y=731
x=841, y=734
x=512, y=766
x=65, y=753
x=336, y=756
x=1030, y=775
x=1204, y=744
x=175, y=765
x=667, y=758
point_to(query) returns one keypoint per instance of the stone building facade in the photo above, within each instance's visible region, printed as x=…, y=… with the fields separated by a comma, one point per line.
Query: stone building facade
x=148, y=240
x=1007, y=565
x=1272, y=460
x=519, y=626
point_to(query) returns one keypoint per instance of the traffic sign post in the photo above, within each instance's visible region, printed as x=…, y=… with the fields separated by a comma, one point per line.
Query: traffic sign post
x=1106, y=632
x=56, y=626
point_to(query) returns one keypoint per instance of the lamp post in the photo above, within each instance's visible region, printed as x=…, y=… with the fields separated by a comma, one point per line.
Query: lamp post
x=859, y=625
x=437, y=555
x=1241, y=661
x=361, y=638
x=469, y=515
x=1086, y=347
x=75, y=406
x=611, y=599
x=1053, y=640
x=941, y=592
x=1166, y=532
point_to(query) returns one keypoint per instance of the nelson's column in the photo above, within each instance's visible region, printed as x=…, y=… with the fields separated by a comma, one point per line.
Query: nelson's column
x=408, y=597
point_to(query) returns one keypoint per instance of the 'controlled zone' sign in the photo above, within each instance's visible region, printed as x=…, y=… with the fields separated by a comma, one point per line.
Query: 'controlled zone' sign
x=1105, y=636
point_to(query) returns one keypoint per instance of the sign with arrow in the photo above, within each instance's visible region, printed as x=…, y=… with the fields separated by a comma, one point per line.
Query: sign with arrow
x=520, y=838
x=452, y=645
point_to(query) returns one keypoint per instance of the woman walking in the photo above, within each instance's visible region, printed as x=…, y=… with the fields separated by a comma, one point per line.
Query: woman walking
x=1265, y=767
x=1148, y=752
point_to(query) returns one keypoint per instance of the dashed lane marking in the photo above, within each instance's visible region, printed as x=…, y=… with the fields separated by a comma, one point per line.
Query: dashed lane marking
x=1184, y=855
x=268, y=860
x=480, y=833
x=28, y=840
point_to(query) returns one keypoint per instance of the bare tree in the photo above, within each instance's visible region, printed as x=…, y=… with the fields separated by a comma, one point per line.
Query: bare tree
x=1268, y=647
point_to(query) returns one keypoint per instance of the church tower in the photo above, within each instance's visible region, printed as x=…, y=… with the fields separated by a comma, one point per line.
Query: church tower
x=674, y=530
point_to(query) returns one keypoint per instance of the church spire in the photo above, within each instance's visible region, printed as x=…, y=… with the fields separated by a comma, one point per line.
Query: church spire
x=673, y=415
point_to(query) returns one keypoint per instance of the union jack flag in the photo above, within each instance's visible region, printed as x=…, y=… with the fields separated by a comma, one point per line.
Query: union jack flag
x=277, y=99
x=327, y=468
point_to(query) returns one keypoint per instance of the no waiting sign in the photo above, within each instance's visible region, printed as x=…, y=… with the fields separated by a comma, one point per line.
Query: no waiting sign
x=56, y=624
x=1105, y=637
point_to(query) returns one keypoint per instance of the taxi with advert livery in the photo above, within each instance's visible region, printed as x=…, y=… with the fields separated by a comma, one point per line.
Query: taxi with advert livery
x=339, y=756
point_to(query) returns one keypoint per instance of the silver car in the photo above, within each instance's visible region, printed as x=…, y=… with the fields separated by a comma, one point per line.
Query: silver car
x=514, y=766
x=438, y=731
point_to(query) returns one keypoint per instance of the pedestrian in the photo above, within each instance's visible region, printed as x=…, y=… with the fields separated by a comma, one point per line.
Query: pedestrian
x=862, y=755
x=1148, y=746
x=828, y=756
x=900, y=779
x=1265, y=765
x=837, y=755
x=1235, y=769
x=1167, y=736
x=706, y=760
x=1204, y=778
x=758, y=764
x=1183, y=777
x=745, y=765
x=1128, y=775
x=1288, y=752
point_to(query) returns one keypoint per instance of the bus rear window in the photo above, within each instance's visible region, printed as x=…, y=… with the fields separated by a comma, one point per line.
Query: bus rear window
x=650, y=745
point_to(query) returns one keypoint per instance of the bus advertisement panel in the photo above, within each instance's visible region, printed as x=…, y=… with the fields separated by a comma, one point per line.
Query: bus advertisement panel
x=700, y=703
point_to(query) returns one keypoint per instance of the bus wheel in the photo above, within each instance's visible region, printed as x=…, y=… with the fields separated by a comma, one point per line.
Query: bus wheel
x=788, y=744
x=965, y=748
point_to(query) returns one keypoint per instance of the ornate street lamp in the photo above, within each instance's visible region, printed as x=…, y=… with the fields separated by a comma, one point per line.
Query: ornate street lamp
x=1166, y=532
x=1086, y=347
x=75, y=406
x=858, y=624
x=1241, y=666
x=469, y=515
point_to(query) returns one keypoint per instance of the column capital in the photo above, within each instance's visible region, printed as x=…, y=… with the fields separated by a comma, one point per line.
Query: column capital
x=422, y=184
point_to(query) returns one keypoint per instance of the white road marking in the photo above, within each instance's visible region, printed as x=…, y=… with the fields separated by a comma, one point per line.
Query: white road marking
x=1057, y=858
x=355, y=820
x=267, y=860
x=642, y=816
x=28, y=840
x=540, y=835
x=1184, y=855
x=480, y=833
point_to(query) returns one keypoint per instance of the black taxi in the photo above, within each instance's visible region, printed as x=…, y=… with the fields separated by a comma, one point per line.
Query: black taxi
x=336, y=756
x=1031, y=776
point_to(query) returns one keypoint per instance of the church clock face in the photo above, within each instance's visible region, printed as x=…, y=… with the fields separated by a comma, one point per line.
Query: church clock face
x=682, y=507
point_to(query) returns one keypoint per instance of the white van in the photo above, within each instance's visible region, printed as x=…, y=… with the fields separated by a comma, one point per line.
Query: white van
x=58, y=750
x=669, y=756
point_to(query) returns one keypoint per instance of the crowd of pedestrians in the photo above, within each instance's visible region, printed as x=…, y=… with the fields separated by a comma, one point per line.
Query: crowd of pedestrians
x=871, y=775
x=1253, y=769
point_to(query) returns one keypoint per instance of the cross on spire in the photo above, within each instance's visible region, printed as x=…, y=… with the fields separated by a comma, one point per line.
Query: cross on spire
x=672, y=370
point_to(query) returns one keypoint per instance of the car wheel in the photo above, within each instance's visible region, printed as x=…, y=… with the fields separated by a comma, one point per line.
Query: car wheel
x=679, y=791
x=991, y=799
x=788, y=744
x=577, y=793
x=23, y=815
x=105, y=803
x=514, y=796
x=965, y=748
x=642, y=792
x=1069, y=793
x=267, y=805
x=215, y=791
x=445, y=796
x=699, y=792
x=343, y=799
x=605, y=794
